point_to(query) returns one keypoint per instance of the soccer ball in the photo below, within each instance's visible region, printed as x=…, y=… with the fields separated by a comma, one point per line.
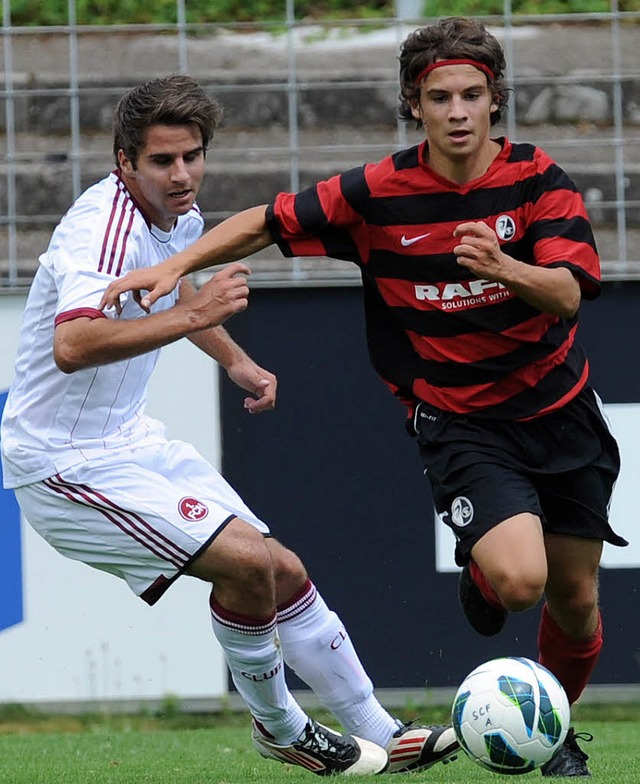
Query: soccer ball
x=510, y=715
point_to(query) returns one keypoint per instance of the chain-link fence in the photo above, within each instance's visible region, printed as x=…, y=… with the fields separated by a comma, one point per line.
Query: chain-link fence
x=303, y=101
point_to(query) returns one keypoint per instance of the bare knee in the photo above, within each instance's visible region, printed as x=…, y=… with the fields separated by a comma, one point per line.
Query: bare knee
x=575, y=604
x=290, y=573
x=239, y=565
x=519, y=591
x=512, y=557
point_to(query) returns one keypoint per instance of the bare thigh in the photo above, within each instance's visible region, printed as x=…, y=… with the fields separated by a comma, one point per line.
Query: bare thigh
x=239, y=566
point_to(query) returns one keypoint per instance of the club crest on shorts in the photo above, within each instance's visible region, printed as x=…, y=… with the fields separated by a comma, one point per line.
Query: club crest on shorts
x=461, y=511
x=192, y=509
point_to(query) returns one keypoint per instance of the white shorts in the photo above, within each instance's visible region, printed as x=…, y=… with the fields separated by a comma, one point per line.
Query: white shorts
x=144, y=515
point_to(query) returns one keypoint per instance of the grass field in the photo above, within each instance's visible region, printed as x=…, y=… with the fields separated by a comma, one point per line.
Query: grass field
x=217, y=750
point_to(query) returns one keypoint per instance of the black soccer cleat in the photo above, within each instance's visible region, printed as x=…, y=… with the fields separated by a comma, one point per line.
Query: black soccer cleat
x=323, y=751
x=569, y=760
x=484, y=617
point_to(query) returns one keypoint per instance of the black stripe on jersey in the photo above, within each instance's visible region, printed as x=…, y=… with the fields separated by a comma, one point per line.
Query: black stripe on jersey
x=447, y=207
x=435, y=267
x=493, y=369
x=521, y=152
x=274, y=229
x=551, y=388
x=576, y=229
x=521, y=249
x=426, y=208
x=355, y=188
x=430, y=268
x=338, y=243
x=390, y=349
x=406, y=159
x=309, y=212
x=553, y=178
x=439, y=324
x=420, y=209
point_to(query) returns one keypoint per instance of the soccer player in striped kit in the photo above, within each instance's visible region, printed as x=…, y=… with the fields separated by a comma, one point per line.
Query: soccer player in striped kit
x=475, y=253
x=97, y=478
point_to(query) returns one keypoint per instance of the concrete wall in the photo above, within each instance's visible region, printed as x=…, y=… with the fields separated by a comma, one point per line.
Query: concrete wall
x=303, y=106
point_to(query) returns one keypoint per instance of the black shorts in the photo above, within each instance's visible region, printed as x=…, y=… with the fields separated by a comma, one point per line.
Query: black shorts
x=561, y=467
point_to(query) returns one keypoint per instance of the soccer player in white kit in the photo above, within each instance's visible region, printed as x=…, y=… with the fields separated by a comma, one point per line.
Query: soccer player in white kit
x=97, y=478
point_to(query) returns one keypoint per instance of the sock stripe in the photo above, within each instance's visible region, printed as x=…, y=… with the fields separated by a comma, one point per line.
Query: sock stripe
x=241, y=623
x=298, y=604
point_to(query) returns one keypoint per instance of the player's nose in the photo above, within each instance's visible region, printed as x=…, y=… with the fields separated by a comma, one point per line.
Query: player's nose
x=179, y=171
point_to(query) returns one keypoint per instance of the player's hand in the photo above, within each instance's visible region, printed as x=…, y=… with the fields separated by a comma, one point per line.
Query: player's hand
x=222, y=296
x=260, y=382
x=479, y=250
x=147, y=286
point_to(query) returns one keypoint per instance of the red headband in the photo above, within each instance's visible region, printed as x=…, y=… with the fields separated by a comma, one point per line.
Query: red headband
x=475, y=63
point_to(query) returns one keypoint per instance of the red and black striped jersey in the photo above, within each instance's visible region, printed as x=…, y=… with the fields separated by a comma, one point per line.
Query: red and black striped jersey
x=435, y=332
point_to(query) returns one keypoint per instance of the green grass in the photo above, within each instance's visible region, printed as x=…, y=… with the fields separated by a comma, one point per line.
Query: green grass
x=44, y=750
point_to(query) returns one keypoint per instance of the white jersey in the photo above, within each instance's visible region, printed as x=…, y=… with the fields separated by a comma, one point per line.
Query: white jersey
x=53, y=420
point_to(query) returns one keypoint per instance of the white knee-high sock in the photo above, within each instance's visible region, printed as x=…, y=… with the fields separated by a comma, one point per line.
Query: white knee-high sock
x=318, y=649
x=253, y=655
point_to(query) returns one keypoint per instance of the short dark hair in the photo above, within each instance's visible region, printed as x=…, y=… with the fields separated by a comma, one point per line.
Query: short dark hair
x=456, y=37
x=172, y=100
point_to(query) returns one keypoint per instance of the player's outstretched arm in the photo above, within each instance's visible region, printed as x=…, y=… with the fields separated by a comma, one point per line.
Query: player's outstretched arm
x=232, y=240
x=89, y=342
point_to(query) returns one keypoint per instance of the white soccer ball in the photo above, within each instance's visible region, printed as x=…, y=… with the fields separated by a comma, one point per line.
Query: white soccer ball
x=510, y=715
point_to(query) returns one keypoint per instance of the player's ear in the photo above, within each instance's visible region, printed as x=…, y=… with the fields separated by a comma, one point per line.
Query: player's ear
x=126, y=166
x=415, y=110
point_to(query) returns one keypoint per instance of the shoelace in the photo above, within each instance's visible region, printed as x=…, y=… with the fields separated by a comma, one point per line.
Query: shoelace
x=572, y=745
x=320, y=741
x=404, y=728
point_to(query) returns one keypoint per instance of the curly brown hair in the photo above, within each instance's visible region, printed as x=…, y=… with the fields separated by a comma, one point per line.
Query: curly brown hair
x=453, y=38
x=172, y=100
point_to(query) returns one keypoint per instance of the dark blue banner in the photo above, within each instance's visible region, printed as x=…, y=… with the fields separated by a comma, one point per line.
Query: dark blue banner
x=336, y=477
x=11, y=603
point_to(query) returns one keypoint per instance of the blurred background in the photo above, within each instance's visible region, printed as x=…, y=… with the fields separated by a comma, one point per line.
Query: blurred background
x=309, y=89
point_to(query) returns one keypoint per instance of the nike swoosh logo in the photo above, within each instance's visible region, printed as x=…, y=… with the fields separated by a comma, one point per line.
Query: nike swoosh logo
x=406, y=241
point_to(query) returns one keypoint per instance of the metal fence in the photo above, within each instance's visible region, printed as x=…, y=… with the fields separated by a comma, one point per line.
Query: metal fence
x=303, y=101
